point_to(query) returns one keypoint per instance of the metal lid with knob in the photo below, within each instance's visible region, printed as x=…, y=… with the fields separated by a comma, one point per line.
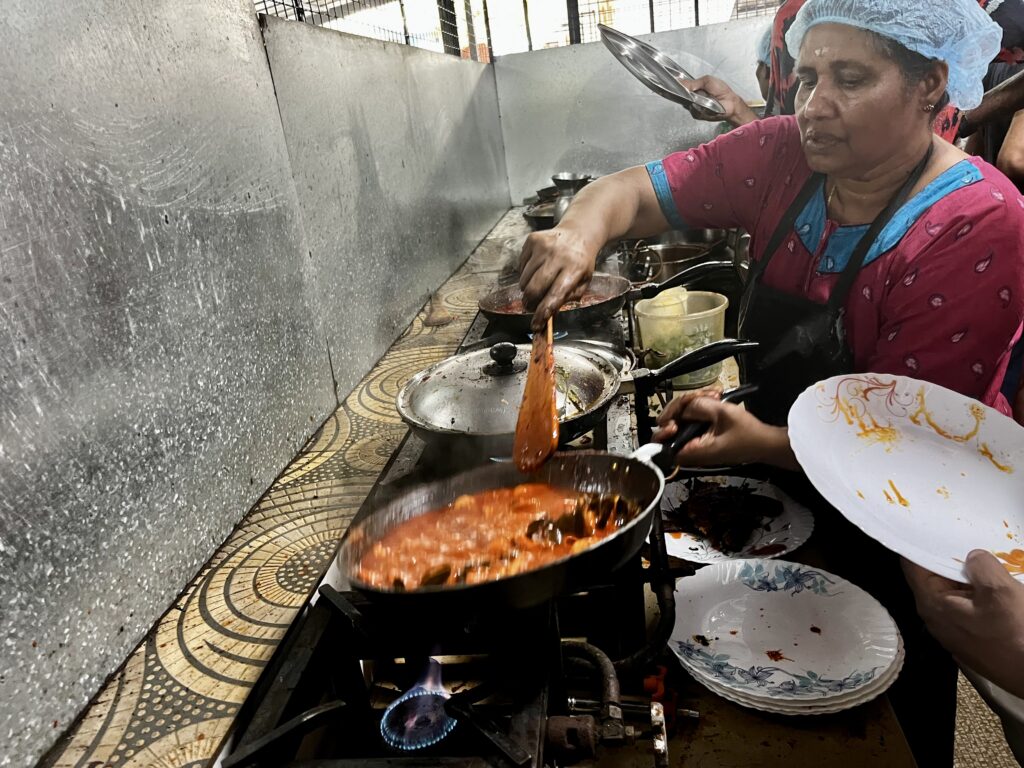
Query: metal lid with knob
x=479, y=392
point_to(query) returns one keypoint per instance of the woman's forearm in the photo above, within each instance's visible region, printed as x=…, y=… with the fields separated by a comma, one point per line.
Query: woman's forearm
x=775, y=448
x=620, y=205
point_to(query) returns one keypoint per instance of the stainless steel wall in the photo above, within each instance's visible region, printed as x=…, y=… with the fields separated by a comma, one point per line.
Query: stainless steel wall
x=400, y=172
x=163, y=326
x=577, y=109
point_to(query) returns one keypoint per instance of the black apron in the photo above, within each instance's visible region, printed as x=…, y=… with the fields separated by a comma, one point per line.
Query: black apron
x=802, y=341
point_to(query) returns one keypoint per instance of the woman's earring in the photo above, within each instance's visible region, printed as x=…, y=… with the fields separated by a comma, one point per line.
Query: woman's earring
x=928, y=107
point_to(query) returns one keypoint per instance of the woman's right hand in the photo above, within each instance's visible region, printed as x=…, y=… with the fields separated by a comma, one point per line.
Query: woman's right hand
x=555, y=267
x=736, y=110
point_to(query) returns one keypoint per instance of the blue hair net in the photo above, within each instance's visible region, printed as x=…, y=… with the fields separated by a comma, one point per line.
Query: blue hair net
x=958, y=32
x=764, y=47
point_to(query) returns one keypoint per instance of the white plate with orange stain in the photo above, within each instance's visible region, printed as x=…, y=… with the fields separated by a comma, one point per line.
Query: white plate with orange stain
x=927, y=472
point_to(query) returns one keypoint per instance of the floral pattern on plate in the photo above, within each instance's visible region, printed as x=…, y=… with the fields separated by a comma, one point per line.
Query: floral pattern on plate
x=785, y=578
x=927, y=472
x=773, y=681
x=773, y=630
x=773, y=538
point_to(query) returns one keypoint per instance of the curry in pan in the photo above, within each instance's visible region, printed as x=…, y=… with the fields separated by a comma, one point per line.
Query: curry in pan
x=491, y=535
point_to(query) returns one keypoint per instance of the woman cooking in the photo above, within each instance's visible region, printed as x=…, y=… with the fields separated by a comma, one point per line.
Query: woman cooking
x=877, y=247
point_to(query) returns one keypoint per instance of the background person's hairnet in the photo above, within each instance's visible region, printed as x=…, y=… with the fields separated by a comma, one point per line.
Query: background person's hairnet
x=764, y=47
x=958, y=32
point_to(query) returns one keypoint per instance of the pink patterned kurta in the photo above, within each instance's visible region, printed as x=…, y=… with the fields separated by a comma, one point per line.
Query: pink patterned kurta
x=940, y=297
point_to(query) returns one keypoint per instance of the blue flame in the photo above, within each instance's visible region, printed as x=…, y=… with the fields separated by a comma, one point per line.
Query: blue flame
x=417, y=719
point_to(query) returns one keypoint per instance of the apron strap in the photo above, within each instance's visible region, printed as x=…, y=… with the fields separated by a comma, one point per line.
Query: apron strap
x=785, y=227
x=845, y=283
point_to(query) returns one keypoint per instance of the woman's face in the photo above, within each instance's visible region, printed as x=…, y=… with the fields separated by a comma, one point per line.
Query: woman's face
x=854, y=107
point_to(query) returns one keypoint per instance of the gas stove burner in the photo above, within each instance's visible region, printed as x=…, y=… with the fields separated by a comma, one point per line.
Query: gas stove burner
x=417, y=720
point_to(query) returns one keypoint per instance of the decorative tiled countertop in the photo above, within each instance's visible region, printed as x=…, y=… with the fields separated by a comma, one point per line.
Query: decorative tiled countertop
x=173, y=702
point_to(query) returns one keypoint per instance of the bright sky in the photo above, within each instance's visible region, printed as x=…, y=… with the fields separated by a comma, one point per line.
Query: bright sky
x=548, y=20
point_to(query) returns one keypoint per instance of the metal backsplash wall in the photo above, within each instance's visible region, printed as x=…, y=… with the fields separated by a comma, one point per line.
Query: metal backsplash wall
x=163, y=327
x=400, y=172
x=578, y=109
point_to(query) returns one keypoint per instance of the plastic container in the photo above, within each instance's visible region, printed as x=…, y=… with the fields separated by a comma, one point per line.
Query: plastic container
x=678, y=321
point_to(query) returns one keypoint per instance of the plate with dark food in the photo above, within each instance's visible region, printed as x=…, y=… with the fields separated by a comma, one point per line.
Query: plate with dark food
x=710, y=519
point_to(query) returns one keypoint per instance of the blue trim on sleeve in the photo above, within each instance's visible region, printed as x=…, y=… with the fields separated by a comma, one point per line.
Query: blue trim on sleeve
x=656, y=170
x=810, y=224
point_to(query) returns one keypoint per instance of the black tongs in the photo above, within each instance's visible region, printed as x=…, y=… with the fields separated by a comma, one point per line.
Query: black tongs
x=690, y=430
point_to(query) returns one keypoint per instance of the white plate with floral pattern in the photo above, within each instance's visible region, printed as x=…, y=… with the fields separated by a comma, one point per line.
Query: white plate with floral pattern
x=926, y=472
x=774, y=537
x=838, y=703
x=783, y=631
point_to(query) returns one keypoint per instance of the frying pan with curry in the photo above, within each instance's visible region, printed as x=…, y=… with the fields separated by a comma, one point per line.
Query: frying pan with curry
x=634, y=480
x=605, y=296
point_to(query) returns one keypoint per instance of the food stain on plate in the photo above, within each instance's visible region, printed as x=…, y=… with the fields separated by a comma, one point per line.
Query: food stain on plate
x=859, y=494
x=922, y=412
x=870, y=430
x=943, y=491
x=985, y=451
x=1013, y=561
x=899, y=497
x=777, y=655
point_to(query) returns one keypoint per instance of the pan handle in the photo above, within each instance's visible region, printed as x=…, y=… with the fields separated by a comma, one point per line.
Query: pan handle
x=702, y=357
x=688, y=275
x=690, y=430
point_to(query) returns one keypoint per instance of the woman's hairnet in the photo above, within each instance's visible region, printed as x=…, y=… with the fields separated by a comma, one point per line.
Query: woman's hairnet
x=764, y=47
x=958, y=32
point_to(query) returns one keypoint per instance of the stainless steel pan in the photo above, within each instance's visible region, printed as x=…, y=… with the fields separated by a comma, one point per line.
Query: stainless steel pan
x=608, y=294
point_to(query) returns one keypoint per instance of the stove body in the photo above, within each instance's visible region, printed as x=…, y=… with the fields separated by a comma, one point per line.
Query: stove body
x=517, y=695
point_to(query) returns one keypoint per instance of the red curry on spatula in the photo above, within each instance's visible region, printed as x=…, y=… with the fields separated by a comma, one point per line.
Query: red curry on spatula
x=537, y=428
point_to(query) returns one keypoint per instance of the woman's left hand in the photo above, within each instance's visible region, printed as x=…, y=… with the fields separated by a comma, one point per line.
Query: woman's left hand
x=734, y=437
x=736, y=110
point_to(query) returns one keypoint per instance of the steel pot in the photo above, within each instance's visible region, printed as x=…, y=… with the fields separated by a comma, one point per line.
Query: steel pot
x=571, y=182
x=468, y=405
x=647, y=263
x=547, y=194
x=470, y=402
x=541, y=215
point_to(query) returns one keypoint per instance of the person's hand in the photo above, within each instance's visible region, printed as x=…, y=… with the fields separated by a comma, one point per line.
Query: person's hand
x=735, y=436
x=555, y=267
x=981, y=623
x=736, y=110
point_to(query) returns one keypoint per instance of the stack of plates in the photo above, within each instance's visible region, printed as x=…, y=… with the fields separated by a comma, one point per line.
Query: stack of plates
x=784, y=638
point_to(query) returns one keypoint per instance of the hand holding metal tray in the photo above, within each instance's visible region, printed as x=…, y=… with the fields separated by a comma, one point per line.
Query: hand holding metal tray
x=657, y=71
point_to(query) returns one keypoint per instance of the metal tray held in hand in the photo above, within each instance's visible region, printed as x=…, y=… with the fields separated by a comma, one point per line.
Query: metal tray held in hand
x=656, y=70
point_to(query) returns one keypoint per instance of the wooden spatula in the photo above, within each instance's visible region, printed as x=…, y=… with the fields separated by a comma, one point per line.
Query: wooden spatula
x=537, y=427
